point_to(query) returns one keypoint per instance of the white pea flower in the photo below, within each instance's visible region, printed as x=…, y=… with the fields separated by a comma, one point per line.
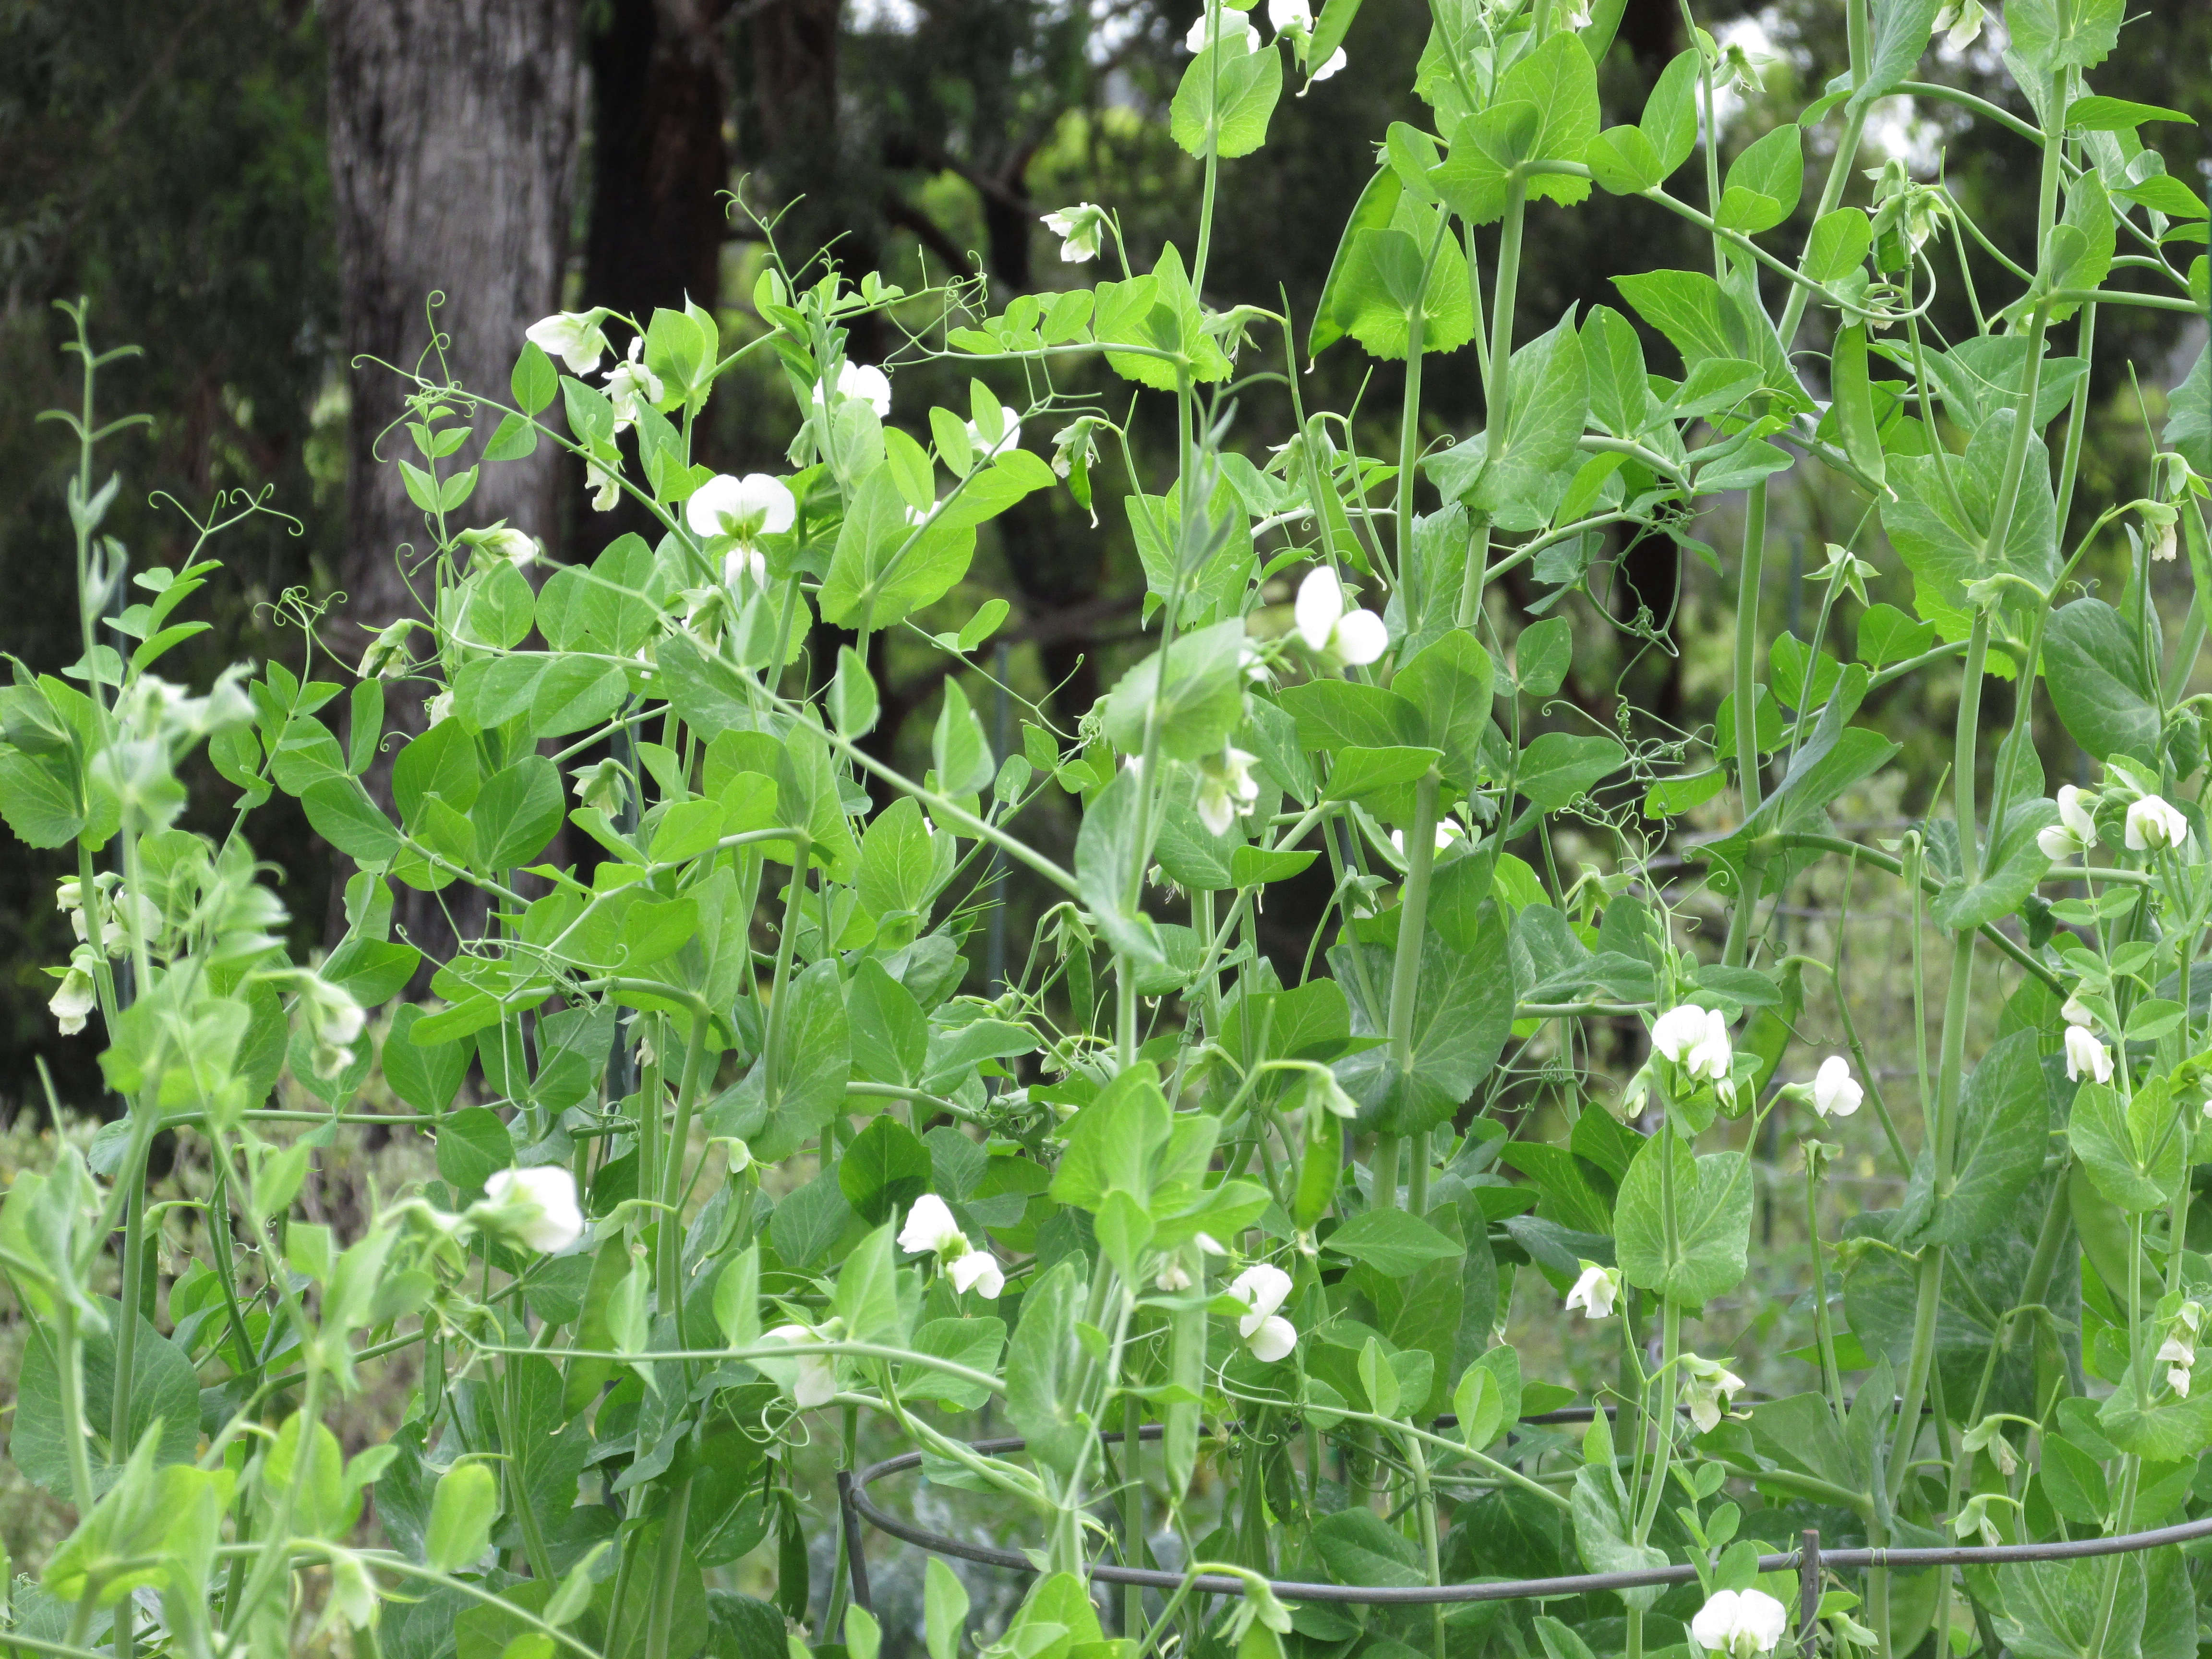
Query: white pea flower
x=2085, y=1053
x=503, y=542
x=1080, y=229
x=816, y=1381
x=73, y=1003
x=1226, y=788
x=1261, y=1289
x=1959, y=23
x=1336, y=60
x=744, y=563
x=1836, y=1092
x=1233, y=28
x=537, y=1205
x=438, y=707
x=1708, y=1389
x=1172, y=1277
x=2177, y=1357
x=1291, y=16
x=1739, y=1624
x=2162, y=524
x=1696, y=1039
x=2073, y=1013
x=606, y=485
x=1331, y=628
x=574, y=337
x=930, y=1229
x=742, y=508
x=2153, y=823
x=1209, y=1245
x=631, y=384
x=1010, y=436
x=2075, y=832
x=1595, y=1291
x=870, y=385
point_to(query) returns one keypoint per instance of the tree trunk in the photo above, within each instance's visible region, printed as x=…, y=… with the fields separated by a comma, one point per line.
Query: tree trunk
x=453, y=130
x=660, y=93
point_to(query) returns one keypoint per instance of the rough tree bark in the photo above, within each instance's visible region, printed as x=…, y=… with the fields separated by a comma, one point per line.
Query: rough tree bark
x=453, y=141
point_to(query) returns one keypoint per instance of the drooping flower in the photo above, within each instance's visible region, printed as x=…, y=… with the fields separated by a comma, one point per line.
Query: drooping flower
x=1336, y=60
x=1836, y=1092
x=1261, y=1289
x=1739, y=1624
x=930, y=1229
x=1708, y=1389
x=1080, y=229
x=1448, y=831
x=2177, y=1357
x=574, y=337
x=537, y=1205
x=72, y=1004
x=741, y=508
x=870, y=385
x=1331, y=628
x=1595, y=1291
x=2075, y=832
x=502, y=542
x=2072, y=1012
x=1696, y=1039
x=1291, y=16
x=1233, y=29
x=631, y=384
x=816, y=1381
x=606, y=485
x=1959, y=23
x=2153, y=823
x=2085, y=1053
x=1226, y=788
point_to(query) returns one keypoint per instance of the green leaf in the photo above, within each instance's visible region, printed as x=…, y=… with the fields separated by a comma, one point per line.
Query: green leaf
x=164, y=1391
x=1546, y=110
x=1376, y=209
x=1449, y=682
x=1199, y=685
x=884, y=1169
x=427, y=1079
x=517, y=812
x=1558, y=766
x=461, y=1514
x=1702, y=319
x=1042, y=1366
x=1943, y=550
x=534, y=382
x=1462, y=1012
x=1901, y=28
x=1395, y=1242
x=1764, y=182
x=1670, y=114
x=975, y=1343
x=473, y=1146
x=2058, y=33
x=1380, y=287
x=944, y=1609
x=1335, y=714
x=2010, y=873
x=867, y=1295
x=884, y=568
x=2095, y=114
x=1358, y=1547
x=1227, y=96
x=805, y=1074
x=1838, y=244
x=957, y=745
x=1711, y=1233
x=2133, y=1148
x=38, y=799
x=1601, y=1531
x=342, y=813
x=2101, y=685
x=2002, y=1118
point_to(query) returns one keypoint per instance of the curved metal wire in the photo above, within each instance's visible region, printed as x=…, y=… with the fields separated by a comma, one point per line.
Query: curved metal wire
x=1810, y=1560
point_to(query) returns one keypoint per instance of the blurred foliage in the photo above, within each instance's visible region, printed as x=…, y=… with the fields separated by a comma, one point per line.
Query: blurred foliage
x=168, y=160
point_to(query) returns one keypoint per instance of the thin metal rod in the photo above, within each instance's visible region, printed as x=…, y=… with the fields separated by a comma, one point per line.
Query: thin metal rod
x=1501, y=1590
x=856, y=1557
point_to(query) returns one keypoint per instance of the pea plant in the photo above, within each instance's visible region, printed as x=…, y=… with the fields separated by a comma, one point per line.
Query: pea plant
x=742, y=1166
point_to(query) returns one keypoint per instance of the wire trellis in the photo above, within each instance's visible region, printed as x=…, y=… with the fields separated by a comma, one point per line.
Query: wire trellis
x=1808, y=1561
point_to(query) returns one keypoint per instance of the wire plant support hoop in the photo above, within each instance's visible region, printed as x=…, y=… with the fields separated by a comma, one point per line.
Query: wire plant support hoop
x=1808, y=1561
